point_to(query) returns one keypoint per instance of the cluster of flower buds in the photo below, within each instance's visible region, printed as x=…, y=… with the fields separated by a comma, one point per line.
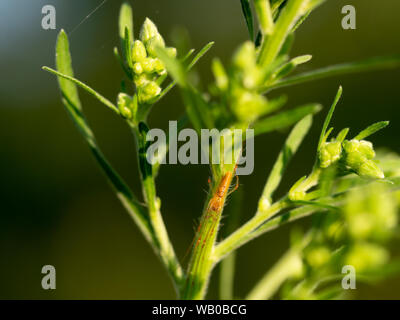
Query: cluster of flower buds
x=242, y=86
x=330, y=153
x=147, y=68
x=370, y=213
x=371, y=219
x=355, y=235
x=246, y=102
x=126, y=106
x=355, y=155
x=358, y=157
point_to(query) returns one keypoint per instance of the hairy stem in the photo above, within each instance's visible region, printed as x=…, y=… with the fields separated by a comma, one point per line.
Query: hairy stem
x=201, y=262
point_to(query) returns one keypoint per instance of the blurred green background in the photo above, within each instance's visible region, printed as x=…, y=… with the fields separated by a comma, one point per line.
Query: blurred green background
x=56, y=207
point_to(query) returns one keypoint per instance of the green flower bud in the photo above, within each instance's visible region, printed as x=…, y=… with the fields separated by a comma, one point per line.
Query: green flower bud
x=148, y=65
x=367, y=149
x=364, y=148
x=295, y=266
x=369, y=169
x=148, y=31
x=366, y=256
x=141, y=80
x=159, y=66
x=149, y=91
x=125, y=106
x=317, y=257
x=171, y=52
x=153, y=43
x=245, y=56
x=247, y=105
x=138, y=51
x=264, y=204
x=359, y=155
x=221, y=78
x=297, y=192
x=330, y=153
x=138, y=68
x=334, y=230
x=370, y=213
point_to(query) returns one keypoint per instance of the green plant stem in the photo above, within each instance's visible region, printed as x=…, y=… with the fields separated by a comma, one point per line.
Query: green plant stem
x=288, y=18
x=287, y=266
x=264, y=15
x=227, y=267
x=164, y=245
x=226, y=277
x=201, y=262
x=240, y=236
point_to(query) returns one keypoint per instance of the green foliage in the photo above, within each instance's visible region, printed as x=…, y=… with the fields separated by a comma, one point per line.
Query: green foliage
x=354, y=206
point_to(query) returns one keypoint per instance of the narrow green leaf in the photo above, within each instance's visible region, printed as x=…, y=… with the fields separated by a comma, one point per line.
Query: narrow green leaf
x=301, y=20
x=125, y=22
x=201, y=53
x=248, y=16
x=128, y=48
x=197, y=109
x=126, y=70
x=329, y=116
x=326, y=136
x=287, y=45
x=187, y=55
x=289, y=149
x=371, y=129
x=97, y=95
x=64, y=65
x=372, y=64
x=342, y=135
x=288, y=67
x=190, y=66
x=72, y=104
x=173, y=65
x=284, y=119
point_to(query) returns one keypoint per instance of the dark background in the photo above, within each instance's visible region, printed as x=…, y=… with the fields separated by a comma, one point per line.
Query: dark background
x=56, y=207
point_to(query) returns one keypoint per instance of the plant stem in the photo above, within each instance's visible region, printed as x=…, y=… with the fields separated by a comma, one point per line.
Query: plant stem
x=287, y=266
x=264, y=15
x=201, y=262
x=165, y=249
x=227, y=267
x=239, y=237
x=290, y=14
